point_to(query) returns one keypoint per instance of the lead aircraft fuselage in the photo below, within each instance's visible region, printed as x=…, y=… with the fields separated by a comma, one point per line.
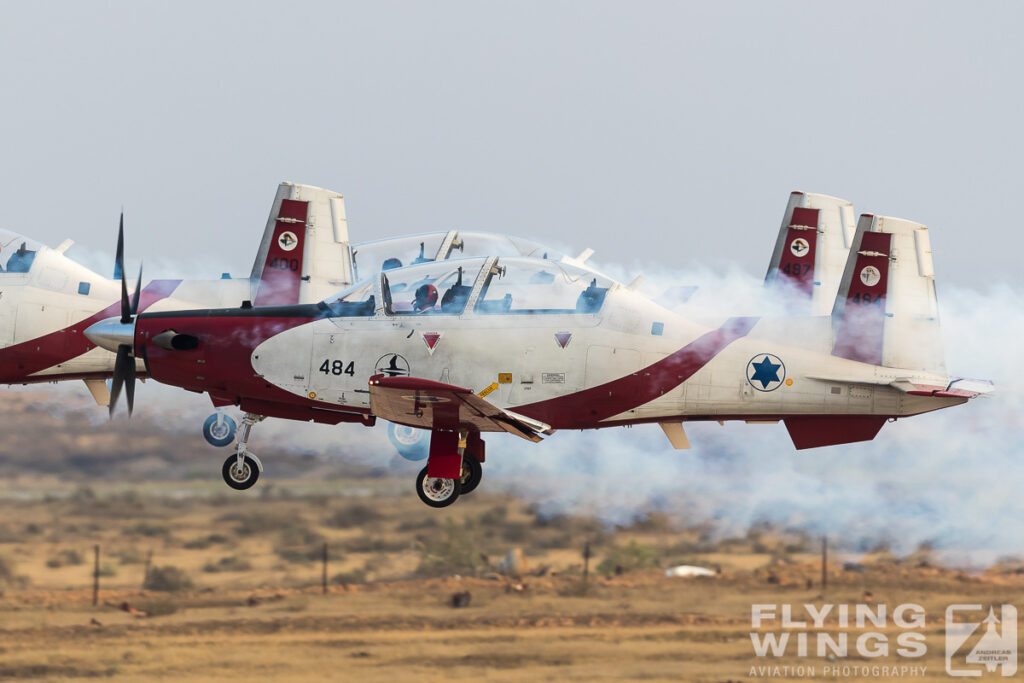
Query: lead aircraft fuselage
x=599, y=356
x=529, y=346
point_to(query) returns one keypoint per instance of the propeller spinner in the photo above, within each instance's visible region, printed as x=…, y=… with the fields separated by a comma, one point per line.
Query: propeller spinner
x=118, y=334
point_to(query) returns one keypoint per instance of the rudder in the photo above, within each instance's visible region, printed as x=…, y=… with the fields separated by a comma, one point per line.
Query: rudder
x=810, y=251
x=304, y=255
x=886, y=310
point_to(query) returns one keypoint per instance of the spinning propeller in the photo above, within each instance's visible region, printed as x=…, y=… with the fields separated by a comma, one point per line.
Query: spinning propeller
x=118, y=334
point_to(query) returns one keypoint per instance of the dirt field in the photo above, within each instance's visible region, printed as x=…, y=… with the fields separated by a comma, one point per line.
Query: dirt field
x=244, y=601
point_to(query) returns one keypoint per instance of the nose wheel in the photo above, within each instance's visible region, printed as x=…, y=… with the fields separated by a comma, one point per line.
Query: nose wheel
x=241, y=470
x=240, y=474
x=437, y=492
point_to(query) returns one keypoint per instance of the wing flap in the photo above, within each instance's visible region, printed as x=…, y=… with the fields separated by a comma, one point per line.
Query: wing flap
x=426, y=404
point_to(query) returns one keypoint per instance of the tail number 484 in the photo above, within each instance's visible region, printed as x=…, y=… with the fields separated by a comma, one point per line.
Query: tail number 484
x=338, y=367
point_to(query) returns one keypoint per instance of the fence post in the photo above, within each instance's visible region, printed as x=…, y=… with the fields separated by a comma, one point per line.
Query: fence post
x=323, y=578
x=586, y=561
x=149, y=564
x=96, y=575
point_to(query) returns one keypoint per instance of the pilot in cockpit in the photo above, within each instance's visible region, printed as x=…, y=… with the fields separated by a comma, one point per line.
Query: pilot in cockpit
x=426, y=298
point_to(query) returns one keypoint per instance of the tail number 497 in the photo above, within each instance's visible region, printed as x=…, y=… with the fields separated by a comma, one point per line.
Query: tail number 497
x=338, y=367
x=284, y=263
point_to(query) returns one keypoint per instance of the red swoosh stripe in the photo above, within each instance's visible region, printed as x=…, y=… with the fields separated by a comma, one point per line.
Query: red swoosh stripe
x=19, y=361
x=588, y=407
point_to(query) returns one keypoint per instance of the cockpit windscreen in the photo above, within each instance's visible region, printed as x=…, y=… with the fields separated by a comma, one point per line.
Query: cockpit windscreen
x=522, y=286
x=388, y=254
x=16, y=253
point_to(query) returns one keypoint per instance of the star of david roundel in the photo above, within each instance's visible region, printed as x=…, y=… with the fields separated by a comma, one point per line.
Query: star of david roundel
x=766, y=372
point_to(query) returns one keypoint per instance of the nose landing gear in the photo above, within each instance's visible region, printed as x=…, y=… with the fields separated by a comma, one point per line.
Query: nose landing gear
x=240, y=477
x=242, y=470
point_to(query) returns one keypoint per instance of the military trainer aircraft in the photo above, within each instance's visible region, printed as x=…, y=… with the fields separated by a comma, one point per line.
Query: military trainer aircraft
x=528, y=346
x=47, y=299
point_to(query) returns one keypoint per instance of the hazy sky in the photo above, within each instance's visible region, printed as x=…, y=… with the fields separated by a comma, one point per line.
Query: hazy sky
x=662, y=133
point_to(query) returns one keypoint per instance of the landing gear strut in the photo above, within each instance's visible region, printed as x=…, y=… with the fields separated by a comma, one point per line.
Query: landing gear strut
x=242, y=469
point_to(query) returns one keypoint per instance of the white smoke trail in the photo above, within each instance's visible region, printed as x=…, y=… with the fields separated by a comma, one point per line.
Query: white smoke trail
x=952, y=478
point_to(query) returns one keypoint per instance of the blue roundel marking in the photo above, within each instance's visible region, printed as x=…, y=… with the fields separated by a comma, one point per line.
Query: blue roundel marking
x=766, y=372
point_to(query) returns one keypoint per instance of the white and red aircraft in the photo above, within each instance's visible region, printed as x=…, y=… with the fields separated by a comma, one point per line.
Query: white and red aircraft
x=47, y=299
x=529, y=346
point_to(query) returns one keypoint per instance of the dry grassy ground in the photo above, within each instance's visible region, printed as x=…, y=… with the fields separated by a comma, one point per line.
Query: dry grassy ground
x=247, y=604
x=255, y=610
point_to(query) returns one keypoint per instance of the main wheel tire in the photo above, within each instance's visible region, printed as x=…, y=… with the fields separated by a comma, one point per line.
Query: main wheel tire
x=243, y=480
x=472, y=473
x=435, y=492
x=219, y=430
x=411, y=443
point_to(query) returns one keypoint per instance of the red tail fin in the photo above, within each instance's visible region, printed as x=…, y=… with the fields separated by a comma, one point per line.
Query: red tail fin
x=797, y=259
x=859, y=314
x=280, y=280
x=810, y=251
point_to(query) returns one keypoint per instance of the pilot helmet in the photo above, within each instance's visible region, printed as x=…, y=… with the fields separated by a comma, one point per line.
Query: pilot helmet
x=426, y=297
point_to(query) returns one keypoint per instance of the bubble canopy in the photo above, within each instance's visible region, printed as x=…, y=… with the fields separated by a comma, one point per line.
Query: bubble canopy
x=481, y=286
x=372, y=257
x=17, y=252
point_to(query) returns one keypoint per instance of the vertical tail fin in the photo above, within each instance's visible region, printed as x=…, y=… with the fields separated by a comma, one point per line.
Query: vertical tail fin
x=810, y=252
x=886, y=311
x=304, y=255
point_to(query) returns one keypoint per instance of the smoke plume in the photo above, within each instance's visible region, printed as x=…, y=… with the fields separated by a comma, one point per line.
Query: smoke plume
x=951, y=478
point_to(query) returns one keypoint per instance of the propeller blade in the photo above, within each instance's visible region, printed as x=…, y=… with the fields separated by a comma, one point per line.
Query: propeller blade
x=126, y=310
x=119, y=257
x=120, y=371
x=129, y=384
x=138, y=289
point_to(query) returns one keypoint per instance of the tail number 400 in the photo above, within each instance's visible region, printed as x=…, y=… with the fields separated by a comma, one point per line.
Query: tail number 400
x=338, y=367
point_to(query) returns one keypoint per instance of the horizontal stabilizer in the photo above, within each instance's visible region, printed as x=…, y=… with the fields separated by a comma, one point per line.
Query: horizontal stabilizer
x=917, y=386
x=957, y=388
x=426, y=404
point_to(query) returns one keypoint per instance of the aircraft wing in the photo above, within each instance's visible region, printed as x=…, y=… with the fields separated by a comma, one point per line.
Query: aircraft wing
x=427, y=404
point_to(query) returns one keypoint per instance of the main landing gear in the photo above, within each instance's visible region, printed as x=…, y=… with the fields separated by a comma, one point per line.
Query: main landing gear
x=411, y=443
x=242, y=469
x=472, y=473
x=437, y=492
x=449, y=474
